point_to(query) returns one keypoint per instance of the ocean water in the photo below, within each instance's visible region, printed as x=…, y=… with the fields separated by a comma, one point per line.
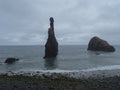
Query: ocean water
x=70, y=57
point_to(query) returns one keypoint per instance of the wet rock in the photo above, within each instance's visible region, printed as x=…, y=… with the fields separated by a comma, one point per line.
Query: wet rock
x=97, y=44
x=51, y=46
x=11, y=60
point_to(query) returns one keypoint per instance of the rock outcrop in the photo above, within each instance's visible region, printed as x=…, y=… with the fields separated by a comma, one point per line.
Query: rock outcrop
x=51, y=46
x=97, y=44
x=11, y=60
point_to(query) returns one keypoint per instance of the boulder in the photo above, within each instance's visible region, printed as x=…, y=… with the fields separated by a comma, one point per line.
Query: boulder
x=51, y=46
x=11, y=60
x=97, y=44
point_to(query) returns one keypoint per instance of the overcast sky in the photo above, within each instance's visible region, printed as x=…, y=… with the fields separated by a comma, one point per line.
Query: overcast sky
x=26, y=22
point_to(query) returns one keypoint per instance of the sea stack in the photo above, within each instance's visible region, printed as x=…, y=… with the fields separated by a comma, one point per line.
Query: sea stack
x=51, y=46
x=97, y=44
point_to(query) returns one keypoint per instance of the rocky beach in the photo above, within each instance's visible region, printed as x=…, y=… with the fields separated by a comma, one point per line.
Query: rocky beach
x=63, y=80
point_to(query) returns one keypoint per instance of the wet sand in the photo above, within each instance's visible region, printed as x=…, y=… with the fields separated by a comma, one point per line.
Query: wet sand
x=90, y=80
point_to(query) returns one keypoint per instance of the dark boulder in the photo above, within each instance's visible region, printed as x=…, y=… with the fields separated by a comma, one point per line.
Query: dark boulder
x=51, y=46
x=97, y=44
x=11, y=60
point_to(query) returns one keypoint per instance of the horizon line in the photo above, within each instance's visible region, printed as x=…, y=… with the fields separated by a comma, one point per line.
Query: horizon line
x=44, y=45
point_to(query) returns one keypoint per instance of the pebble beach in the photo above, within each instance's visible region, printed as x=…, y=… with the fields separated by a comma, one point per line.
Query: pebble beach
x=38, y=80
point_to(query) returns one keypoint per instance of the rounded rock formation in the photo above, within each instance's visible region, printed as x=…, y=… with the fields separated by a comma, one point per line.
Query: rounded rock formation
x=11, y=60
x=97, y=44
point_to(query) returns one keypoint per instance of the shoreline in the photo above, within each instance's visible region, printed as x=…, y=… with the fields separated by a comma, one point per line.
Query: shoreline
x=66, y=73
x=60, y=81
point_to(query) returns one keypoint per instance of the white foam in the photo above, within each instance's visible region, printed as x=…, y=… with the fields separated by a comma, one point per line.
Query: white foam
x=93, y=72
x=110, y=67
x=50, y=71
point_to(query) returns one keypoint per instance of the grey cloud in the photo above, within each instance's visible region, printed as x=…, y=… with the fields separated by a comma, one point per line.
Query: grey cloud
x=76, y=21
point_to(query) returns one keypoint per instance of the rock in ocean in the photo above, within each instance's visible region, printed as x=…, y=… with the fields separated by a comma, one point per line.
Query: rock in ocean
x=11, y=60
x=51, y=46
x=97, y=44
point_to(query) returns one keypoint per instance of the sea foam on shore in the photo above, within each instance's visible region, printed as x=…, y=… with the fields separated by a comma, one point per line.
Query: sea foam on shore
x=100, y=72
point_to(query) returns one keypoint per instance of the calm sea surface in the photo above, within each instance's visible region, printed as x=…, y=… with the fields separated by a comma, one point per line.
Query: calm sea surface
x=69, y=58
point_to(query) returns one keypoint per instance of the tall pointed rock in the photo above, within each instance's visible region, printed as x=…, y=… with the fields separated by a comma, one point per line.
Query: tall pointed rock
x=51, y=46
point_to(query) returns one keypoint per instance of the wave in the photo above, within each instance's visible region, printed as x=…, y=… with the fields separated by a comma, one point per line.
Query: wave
x=103, y=68
x=110, y=67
